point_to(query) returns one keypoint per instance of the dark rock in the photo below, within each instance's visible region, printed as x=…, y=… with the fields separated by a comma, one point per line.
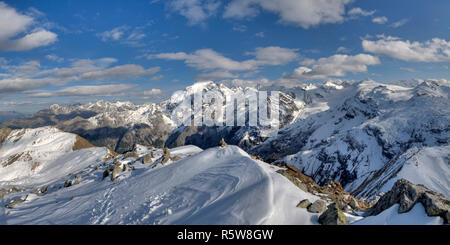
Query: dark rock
x=407, y=195
x=222, y=143
x=68, y=183
x=333, y=216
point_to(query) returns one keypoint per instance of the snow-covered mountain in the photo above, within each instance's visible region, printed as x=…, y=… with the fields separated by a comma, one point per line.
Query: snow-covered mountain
x=121, y=125
x=221, y=185
x=367, y=134
x=118, y=125
x=35, y=157
x=76, y=183
x=244, y=136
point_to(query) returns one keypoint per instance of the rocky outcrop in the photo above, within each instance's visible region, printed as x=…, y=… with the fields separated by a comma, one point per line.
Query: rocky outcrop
x=333, y=216
x=14, y=202
x=318, y=206
x=148, y=158
x=4, y=132
x=332, y=192
x=81, y=143
x=407, y=194
x=304, y=203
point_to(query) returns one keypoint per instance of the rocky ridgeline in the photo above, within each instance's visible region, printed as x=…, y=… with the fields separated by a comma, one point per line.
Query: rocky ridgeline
x=332, y=192
x=407, y=194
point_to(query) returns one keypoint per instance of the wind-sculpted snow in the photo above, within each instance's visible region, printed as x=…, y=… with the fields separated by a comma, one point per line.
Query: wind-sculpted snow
x=221, y=185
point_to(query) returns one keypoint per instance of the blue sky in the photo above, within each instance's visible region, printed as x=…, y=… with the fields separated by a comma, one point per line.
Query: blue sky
x=78, y=51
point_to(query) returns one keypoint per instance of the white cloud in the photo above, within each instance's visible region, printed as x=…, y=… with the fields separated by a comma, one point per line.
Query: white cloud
x=121, y=71
x=158, y=77
x=240, y=28
x=154, y=91
x=114, y=34
x=97, y=90
x=304, y=13
x=380, y=20
x=13, y=24
x=29, y=75
x=195, y=11
x=408, y=69
x=208, y=59
x=124, y=35
x=359, y=11
x=259, y=34
x=399, y=23
x=216, y=75
x=54, y=57
x=274, y=55
x=335, y=66
x=343, y=50
x=434, y=50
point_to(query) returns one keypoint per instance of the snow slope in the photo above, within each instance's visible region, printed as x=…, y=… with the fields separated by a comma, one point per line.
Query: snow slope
x=33, y=157
x=215, y=186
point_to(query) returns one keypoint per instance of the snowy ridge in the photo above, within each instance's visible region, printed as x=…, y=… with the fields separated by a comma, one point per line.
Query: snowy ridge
x=215, y=186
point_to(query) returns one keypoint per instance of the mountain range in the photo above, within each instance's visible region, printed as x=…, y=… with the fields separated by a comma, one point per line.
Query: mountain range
x=356, y=140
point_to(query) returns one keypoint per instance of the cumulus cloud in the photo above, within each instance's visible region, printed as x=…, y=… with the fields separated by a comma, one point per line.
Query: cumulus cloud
x=195, y=11
x=14, y=24
x=380, y=20
x=208, y=59
x=303, y=13
x=334, y=66
x=434, y=50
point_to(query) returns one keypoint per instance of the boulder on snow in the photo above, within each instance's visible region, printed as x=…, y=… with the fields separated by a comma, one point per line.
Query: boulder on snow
x=304, y=203
x=131, y=155
x=148, y=158
x=222, y=143
x=333, y=216
x=116, y=171
x=318, y=206
x=407, y=194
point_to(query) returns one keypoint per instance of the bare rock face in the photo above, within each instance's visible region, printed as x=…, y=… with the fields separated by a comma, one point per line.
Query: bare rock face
x=407, y=195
